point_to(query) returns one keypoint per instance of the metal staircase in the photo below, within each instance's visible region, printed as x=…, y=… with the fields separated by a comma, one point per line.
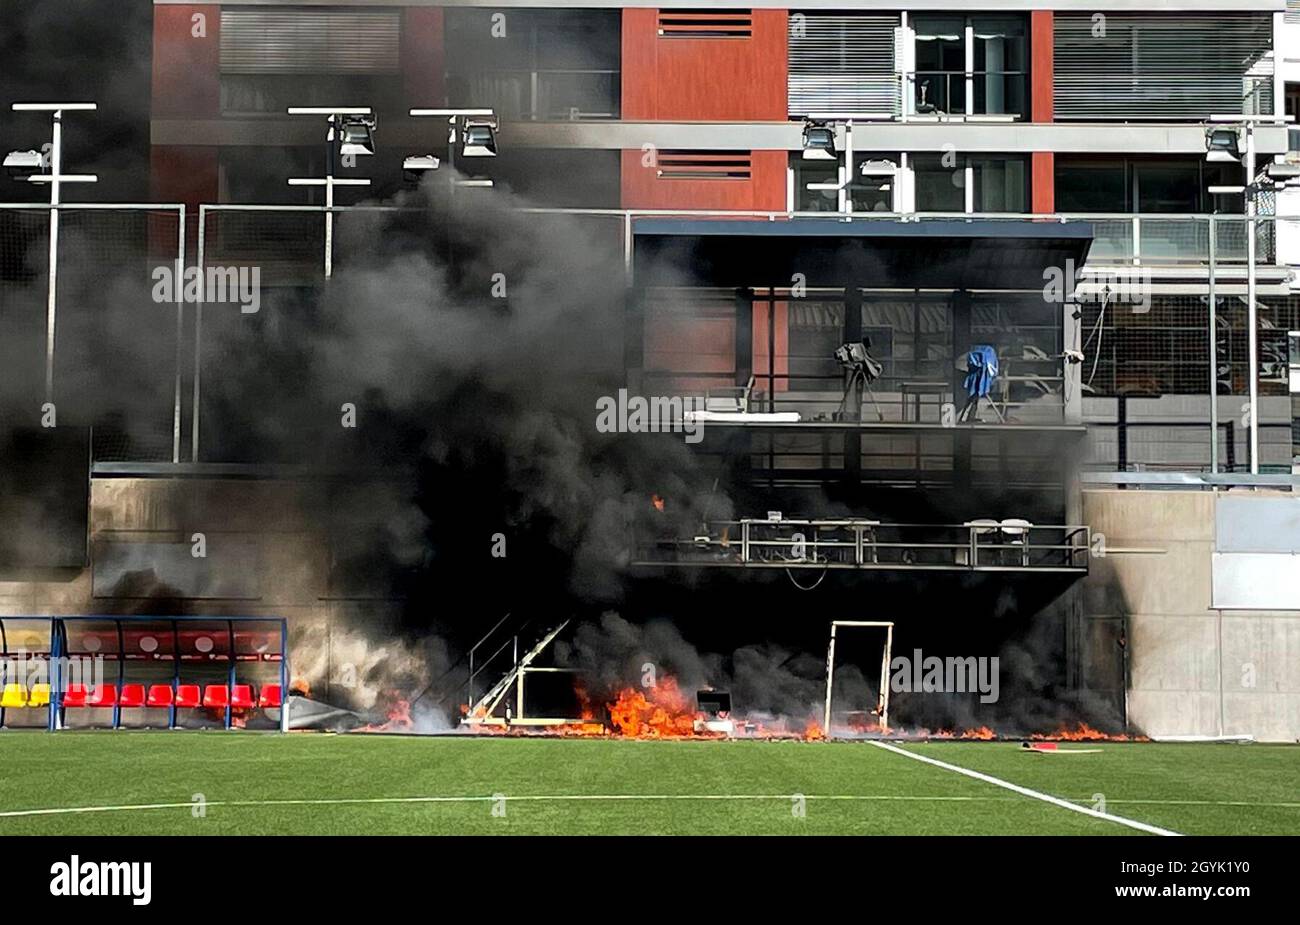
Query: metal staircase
x=481, y=712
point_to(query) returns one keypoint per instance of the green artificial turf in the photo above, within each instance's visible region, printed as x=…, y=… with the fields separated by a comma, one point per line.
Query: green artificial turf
x=848, y=787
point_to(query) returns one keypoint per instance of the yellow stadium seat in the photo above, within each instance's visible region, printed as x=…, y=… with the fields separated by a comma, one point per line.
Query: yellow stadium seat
x=15, y=695
x=40, y=696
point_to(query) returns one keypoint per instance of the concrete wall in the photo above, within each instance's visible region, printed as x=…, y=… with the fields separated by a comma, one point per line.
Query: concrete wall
x=263, y=557
x=1190, y=670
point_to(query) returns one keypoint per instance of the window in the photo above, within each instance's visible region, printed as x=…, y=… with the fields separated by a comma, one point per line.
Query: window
x=1148, y=185
x=940, y=187
x=976, y=65
x=996, y=183
x=273, y=59
x=541, y=65
x=871, y=187
x=1178, y=66
x=843, y=62
x=818, y=172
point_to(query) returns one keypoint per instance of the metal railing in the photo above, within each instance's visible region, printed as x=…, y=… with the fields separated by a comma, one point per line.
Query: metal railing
x=1010, y=544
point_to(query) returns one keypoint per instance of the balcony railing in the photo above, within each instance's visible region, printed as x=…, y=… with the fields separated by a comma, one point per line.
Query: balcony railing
x=870, y=545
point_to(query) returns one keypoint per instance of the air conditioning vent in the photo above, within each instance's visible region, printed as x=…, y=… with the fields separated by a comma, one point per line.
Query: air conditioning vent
x=704, y=165
x=706, y=24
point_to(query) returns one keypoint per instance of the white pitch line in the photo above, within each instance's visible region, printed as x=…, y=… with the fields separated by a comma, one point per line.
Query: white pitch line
x=1025, y=791
x=532, y=798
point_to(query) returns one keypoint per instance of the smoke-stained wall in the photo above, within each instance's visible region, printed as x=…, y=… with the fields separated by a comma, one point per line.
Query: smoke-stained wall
x=1189, y=669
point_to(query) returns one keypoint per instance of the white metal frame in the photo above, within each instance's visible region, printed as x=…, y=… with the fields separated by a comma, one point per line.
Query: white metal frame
x=329, y=181
x=178, y=266
x=55, y=178
x=883, y=707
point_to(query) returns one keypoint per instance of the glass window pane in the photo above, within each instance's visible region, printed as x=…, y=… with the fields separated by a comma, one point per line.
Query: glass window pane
x=806, y=172
x=1167, y=187
x=874, y=191
x=939, y=188
x=1090, y=187
x=1000, y=184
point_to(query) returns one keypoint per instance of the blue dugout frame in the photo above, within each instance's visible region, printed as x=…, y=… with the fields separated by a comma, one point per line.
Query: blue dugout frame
x=59, y=648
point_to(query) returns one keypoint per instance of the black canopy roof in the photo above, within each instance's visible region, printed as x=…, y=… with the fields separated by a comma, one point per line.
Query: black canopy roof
x=880, y=253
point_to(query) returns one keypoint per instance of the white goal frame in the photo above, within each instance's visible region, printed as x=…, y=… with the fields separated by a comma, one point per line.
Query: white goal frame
x=888, y=627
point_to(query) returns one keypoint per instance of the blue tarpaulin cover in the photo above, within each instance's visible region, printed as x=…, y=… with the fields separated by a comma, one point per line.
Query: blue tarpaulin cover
x=981, y=370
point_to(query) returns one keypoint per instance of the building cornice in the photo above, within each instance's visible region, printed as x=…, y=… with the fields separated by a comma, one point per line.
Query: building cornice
x=1070, y=6
x=970, y=137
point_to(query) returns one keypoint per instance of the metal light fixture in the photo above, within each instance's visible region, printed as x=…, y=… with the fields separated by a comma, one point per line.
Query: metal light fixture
x=480, y=140
x=25, y=163
x=819, y=142
x=357, y=135
x=1222, y=146
x=416, y=166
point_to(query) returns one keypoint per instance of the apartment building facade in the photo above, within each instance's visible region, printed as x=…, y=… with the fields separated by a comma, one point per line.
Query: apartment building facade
x=1058, y=107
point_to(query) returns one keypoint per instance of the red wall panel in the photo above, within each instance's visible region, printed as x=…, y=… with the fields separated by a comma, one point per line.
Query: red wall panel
x=1041, y=66
x=1043, y=182
x=186, y=67
x=423, y=65
x=724, y=79
x=698, y=80
x=764, y=191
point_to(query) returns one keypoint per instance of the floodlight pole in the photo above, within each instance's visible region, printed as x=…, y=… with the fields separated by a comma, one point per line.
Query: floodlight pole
x=1252, y=314
x=55, y=178
x=329, y=181
x=1245, y=124
x=455, y=120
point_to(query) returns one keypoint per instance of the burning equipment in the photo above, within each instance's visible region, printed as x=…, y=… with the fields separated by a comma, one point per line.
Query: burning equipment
x=714, y=712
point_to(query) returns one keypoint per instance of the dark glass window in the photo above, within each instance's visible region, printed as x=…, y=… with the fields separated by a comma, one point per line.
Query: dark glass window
x=535, y=64
x=939, y=187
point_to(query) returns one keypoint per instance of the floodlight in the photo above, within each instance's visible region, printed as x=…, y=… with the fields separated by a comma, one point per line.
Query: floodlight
x=819, y=142
x=480, y=140
x=24, y=163
x=357, y=135
x=1221, y=146
x=1283, y=173
x=416, y=166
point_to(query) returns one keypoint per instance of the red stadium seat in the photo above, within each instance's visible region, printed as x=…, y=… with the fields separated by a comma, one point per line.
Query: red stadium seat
x=105, y=695
x=216, y=696
x=160, y=695
x=241, y=697
x=75, y=696
x=269, y=696
x=187, y=695
x=132, y=695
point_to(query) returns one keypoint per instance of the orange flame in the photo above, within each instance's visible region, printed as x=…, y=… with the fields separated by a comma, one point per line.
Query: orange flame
x=665, y=712
x=658, y=502
x=1084, y=733
x=399, y=718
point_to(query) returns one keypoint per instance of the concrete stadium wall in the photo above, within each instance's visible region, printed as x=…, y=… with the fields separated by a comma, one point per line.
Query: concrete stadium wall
x=1189, y=669
x=263, y=557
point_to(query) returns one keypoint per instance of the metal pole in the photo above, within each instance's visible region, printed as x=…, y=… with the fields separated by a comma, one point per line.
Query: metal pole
x=56, y=170
x=1252, y=319
x=886, y=658
x=830, y=673
x=180, y=336
x=1214, y=350
x=329, y=200
x=198, y=340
